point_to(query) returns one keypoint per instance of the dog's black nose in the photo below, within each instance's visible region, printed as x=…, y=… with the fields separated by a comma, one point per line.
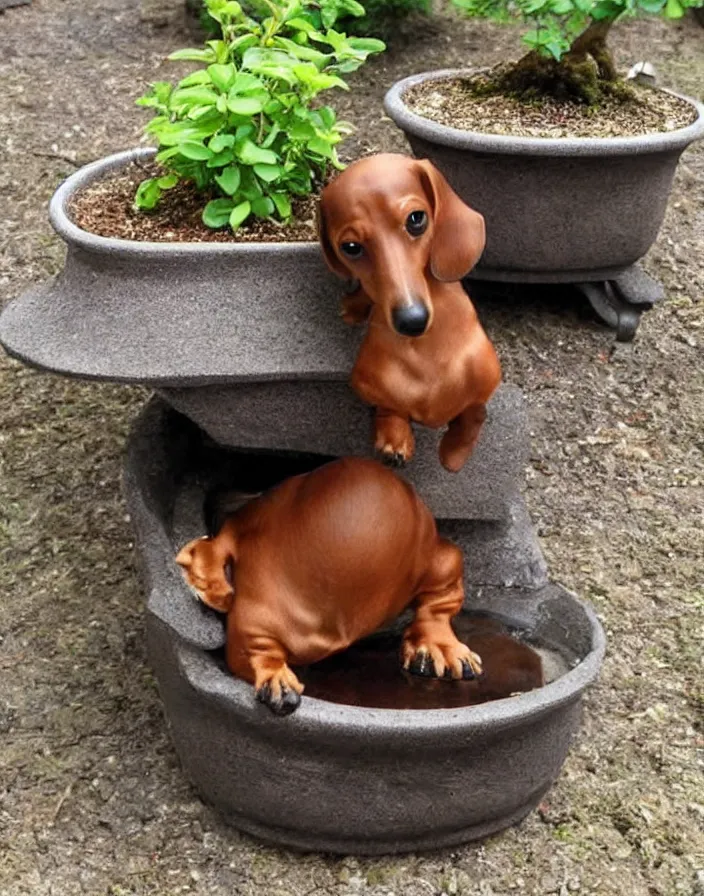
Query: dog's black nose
x=411, y=320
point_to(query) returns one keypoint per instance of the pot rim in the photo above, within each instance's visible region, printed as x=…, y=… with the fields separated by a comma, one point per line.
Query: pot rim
x=74, y=235
x=323, y=716
x=476, y=141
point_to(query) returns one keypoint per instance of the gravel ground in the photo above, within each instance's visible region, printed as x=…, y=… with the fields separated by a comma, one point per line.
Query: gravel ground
x=92, y=800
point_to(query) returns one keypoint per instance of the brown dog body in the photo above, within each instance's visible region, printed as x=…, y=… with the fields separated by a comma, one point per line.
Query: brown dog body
x=393, y=224
x=321, y=561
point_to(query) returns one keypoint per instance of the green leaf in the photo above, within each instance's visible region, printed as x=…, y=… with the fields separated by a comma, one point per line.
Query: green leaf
x=263, y=207
x=229, y=179
x=164, y=154
x=246, y=83
x=193, y=96
x=221, y=159
x=220, y=142
x=251, y=154
x=301, y=25
x=197, y=79
x=673, y=9
x=301, y=130
x=195, y=151
x=217, y=212
x=320, y=146
x=148, y=193
x=309, y=54
x=222, y=76
x=239, y=214
x=327, y=116
x=317, y=81
x=193, y=55
x=270, y=63
x=283, y=204
x=367, y=44
x=268, y=173
x=250, y=187
x=167, y=181
x=245, y=105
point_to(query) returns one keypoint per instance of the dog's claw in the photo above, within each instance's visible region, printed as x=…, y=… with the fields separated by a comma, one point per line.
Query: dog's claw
x=393, y=459
x=468, y=673
x=283, y=705
x=422, y=664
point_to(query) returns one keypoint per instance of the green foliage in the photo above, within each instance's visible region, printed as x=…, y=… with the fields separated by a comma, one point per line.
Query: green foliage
x=245, y=128
x=556, y=24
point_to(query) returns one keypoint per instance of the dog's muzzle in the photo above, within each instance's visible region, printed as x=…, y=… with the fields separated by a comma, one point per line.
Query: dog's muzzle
x=411, y=320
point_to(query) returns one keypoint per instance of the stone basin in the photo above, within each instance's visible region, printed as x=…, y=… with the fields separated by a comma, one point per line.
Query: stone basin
x=335, y=777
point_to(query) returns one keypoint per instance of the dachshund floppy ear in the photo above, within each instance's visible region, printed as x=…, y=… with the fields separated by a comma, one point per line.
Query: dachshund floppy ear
x=458, y=237
x=331, y=259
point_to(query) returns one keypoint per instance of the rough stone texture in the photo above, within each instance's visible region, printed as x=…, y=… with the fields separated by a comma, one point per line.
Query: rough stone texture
x=176, y=314
x=327, y=418
x=492, y=763
x=556, y=210
x=638, y=287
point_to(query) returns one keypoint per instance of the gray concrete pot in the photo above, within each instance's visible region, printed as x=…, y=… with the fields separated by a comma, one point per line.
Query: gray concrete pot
x=556, y=210
x=245, y=339
x=334, y=777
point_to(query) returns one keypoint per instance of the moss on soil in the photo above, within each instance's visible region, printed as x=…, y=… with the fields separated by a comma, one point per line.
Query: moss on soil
x=477, y=103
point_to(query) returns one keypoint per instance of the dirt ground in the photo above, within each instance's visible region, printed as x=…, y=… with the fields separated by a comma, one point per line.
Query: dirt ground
x=92, y=800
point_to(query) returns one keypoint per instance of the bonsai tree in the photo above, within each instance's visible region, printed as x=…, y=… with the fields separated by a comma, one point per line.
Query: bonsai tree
x=246, y=129
x=569, y=56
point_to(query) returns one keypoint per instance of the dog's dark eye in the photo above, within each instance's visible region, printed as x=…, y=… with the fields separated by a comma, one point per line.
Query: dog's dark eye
x=352, y=250
x=416, y=223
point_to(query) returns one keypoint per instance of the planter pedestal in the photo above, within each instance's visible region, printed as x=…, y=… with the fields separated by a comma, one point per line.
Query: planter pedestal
x=619, y=301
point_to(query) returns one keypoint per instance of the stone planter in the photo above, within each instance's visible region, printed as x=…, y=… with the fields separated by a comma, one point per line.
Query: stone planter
x=333, y=777
x=563, y=210
x=556, y=210
x=245, y=339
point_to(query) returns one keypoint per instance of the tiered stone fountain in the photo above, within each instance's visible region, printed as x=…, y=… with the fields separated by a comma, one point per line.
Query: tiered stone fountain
x=244, y=346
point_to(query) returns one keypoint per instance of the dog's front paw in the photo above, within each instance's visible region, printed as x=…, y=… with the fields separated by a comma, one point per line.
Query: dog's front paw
x=442, y=660
x=392, y=458
x=394, y=441
x=281, y=692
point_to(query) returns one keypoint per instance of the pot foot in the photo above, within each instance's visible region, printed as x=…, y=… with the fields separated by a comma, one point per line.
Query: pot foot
x=620, y=302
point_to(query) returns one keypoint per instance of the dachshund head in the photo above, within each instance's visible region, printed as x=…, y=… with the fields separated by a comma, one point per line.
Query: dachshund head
x=208, y=567
x=394, y=224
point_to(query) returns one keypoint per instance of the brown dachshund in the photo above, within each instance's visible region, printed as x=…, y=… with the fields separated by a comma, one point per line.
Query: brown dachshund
x=393, y=224
x=319, y=562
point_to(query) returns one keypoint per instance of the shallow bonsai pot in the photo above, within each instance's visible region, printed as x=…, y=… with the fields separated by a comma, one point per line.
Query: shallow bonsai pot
x=334, y=777
x=556, y=209
x=245, y=339
x=175, y=313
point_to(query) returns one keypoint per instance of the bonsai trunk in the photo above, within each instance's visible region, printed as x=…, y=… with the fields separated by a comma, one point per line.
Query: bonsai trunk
x=586, y=73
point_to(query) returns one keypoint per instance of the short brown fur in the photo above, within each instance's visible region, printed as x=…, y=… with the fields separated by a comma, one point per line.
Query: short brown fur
x=321, y=561
x=447, y=374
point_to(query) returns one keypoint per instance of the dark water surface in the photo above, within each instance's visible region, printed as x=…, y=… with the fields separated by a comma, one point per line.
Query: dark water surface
x=369, y=673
